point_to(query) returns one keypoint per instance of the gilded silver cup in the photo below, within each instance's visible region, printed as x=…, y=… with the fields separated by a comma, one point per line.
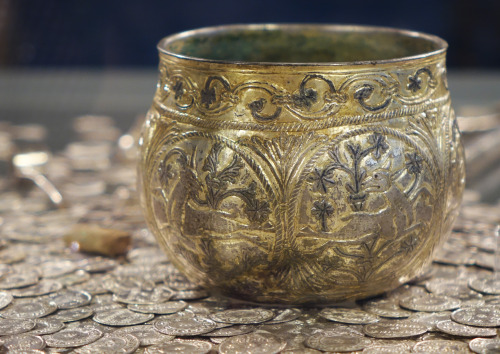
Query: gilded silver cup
x=301, y=163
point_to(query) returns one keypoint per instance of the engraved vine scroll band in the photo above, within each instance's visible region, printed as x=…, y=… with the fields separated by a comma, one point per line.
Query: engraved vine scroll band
x=316, y=97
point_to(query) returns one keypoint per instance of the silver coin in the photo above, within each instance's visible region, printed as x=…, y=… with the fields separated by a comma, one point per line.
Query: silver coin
x=206, y=307
x=143, y=296
x=285, y=315
x=122, y=284
x=333, y=343
x=164, y=308
x=485, y=260
x=188, y=346
x=387, y=308
x=257, y=342
x=387, y=349
x=77, y=277
x=430, y=303
x=121, y=317
x=94, y=286
x=490, y=285
x=457, y=289
x=146, y=334
x=485, y=345
x=10, y=327
x=430, y=319
x=112, y=343
x=441, y=346
x=394, y=329
x=12, y=255
x=492, y=300
x=348, y=316
x=243, y=316
x=72, y=337
x=19, y=280
x=70, y=299
x=150, y=272
x=43, y=287
x=485, y=316
x=190, y=294
x=231, y=331
x=97, y=264
x=179, y=282
x=71, y=315
x=53, y=269
x=5, y=299
x=46, y=326
x=462, y=330
x=23, y=343
x=105, y=306
x=183, y=325
x=28, y=310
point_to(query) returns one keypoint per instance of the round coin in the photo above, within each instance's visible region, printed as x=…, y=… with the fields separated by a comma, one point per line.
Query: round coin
x=53, y=269
x=23, y=343
x=348, y=316
x=386, y=308
x=70, y=299
x=458, y=289
x=191, y=346
x=76, y=277
x=19, y=280
x=10, y=327
x=184, y=325
x=394, y=329
x=45, y=286
x=484, y=316
x=243, y=316
x=441, y=346
x=485, y=345
x=46, y=326
x=489, y=285
x=5, y=299
x=179, y=282
x=230, y=331
x=429, y=303
x=72, y=315
x=193, y=294
x=144, y=296
x=164, y=308
x=124, y=343
x=146, y=334
x=257, y=342
x=72, y=337
x=430, y=319
x=387, y=349
x=332, y=343
x=285, y=315
x=28, y=310
x=97, y=264
x=462, y=330
x=121, y=317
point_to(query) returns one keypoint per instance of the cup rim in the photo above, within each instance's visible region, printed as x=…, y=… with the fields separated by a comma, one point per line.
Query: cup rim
x=440, y=43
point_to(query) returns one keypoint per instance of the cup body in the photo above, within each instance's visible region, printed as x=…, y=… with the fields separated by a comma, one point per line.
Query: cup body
x=303, y=182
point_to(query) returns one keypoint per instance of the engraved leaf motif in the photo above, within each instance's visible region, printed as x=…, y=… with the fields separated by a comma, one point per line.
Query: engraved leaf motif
x=212, y=159
x=321, y=179
x=230, y=172
x=379, y=145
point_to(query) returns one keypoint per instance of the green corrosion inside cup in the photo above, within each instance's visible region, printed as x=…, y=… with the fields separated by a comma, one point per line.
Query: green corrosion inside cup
x=301, y=45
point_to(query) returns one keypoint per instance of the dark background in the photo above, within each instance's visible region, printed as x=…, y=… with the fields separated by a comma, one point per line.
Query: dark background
x=103, y=34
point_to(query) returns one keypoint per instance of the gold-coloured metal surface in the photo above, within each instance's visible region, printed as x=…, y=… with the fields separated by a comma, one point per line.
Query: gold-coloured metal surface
x=298, y=183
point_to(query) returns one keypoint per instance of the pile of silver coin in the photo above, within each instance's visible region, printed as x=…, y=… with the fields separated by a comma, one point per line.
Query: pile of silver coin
x=55, y=299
